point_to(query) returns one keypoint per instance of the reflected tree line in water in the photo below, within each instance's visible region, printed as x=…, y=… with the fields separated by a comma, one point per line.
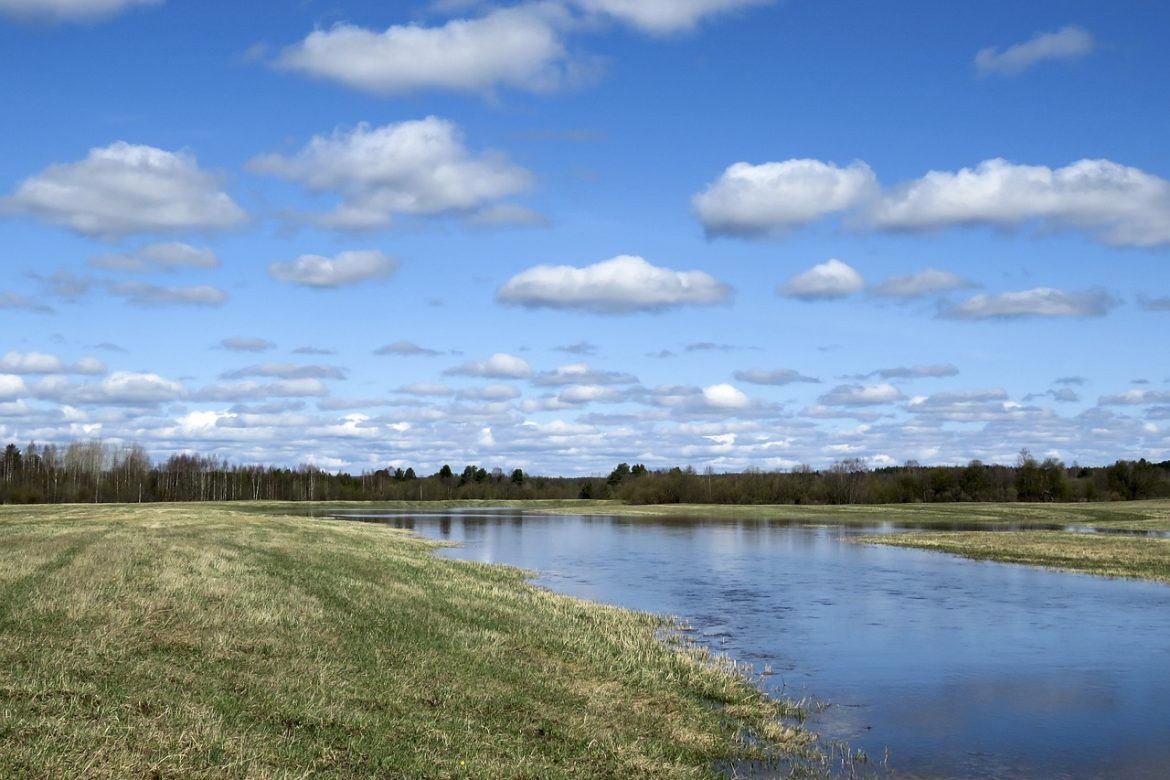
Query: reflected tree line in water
x=94, y=471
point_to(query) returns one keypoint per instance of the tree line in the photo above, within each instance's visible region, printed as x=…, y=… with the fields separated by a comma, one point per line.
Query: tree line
x=97, y=472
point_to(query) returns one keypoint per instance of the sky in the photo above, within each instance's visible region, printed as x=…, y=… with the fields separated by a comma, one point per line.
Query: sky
x=562, y=234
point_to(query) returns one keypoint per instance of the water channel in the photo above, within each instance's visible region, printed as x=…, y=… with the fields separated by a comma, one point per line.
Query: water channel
x=943, y=668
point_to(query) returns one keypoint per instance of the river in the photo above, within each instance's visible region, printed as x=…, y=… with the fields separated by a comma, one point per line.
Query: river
x=936, y=667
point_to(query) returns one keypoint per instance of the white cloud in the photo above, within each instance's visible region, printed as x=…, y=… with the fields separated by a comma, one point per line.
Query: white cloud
x=496, y=392
x=246, y=344
x=286, y=371
x=68, y=10
x=582, y=374
x=163, y=256
x=517, y=47
x=780, y=376
x=426, y=388
x=665, y=16
x=344, y=269
x=1137, y=397
x=405, y=348
x=861, y=395
x=725, y=396
x=1120, y=204
x=121, y=388
x=11, y=387
x=1037, y=302
x=123, y=189
x=919, y=284
x=42, y=363
x=829, y=280
x=418, y=167
x=915, y=372
x=621, y=285
x=143, y=294
x=1067, y=43
x=499, y=366
x=577, y=395
x=242, y=391
x=773, y=198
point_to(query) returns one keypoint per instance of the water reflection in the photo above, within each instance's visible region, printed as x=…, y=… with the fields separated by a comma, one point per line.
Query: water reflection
x=961, y=669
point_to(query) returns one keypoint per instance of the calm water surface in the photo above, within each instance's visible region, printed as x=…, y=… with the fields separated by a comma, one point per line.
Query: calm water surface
x=959, y=669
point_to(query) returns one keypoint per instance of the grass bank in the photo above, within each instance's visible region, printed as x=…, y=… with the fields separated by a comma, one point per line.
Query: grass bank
x=1111, y=556
x=197, y=641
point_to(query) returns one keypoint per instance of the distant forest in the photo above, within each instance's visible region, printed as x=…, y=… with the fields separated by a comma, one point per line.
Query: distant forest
x=96, y=472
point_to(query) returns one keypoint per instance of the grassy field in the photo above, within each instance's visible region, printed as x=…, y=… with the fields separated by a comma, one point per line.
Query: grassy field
x=197, y=641
x=1111, y=556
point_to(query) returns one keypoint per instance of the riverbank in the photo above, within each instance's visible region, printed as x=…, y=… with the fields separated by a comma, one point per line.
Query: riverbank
x=196, y=640
x=1107, y=555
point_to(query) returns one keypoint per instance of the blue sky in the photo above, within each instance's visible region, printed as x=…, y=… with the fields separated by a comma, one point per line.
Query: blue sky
x=557, y=235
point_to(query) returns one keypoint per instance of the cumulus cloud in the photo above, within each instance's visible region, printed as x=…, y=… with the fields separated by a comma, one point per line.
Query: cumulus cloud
x=418, y=167
x=829, y=280
x=121, y=388
x=43, y=363
x=405, y=348
x=1067, y=43
x=1136, y=398
x=1119, y=204
x=496, y=392
x=143, y=294
x=250, y=389
x=621, y=285
x=1155, y=304
x=342, y=270
x=779, y=376
x=12, y=387
x=661, y=17
x=286, y=371
x=725, y=396
x=578, y=395
x=973, y=405
x=861, y=395
x=499, y=366
x=123, y=189
x=163, y=256
x=516, y=47
x=713, y=400
x=68, y=10
x=313, y=351
x=770, y=199
x=582, y=374
x=246, y=344
x=919, y=284
x=1037, y=302
x=1114, y=203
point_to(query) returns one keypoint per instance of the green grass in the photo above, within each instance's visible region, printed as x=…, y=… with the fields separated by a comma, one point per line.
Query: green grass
x=1111, y=556
x=197, y=641
x=1127, y=515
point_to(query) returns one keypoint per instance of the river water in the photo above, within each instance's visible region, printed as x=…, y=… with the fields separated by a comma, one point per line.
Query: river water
x=937, y=666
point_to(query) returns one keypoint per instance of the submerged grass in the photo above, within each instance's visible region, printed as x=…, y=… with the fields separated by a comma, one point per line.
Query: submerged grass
x=200, y=641
x=1111, y=556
